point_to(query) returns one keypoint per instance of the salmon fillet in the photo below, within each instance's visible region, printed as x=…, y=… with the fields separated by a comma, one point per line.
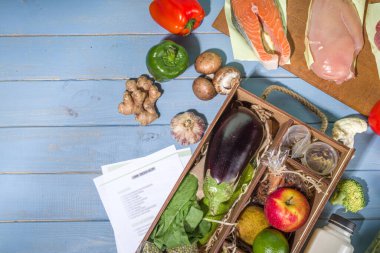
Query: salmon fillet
x=255, y=19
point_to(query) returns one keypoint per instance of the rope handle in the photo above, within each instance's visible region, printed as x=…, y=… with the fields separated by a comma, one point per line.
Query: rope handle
x=300, y=99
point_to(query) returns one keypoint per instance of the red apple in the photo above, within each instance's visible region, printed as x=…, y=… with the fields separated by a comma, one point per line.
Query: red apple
x=287, y=209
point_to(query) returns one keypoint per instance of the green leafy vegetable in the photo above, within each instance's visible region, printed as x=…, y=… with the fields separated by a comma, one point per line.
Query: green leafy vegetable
x=193, y=219
x=216, y=211
x=181, y=223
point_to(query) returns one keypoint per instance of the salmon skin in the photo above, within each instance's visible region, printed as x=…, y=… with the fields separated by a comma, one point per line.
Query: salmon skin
x=260, y=23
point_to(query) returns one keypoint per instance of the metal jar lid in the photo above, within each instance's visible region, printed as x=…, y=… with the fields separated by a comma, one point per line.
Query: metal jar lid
x=342, y=223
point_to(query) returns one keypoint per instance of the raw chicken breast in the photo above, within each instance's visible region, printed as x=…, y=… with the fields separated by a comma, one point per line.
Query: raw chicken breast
x=377, y=36
x=335, y=38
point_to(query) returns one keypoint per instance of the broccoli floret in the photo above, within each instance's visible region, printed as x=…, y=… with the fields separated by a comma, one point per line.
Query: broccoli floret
x=349, y=194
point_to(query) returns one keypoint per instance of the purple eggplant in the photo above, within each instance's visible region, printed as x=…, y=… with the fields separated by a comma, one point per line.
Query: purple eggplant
x=235, y=141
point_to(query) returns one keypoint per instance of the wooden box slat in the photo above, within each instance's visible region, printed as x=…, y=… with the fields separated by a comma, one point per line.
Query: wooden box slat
x=284, y=120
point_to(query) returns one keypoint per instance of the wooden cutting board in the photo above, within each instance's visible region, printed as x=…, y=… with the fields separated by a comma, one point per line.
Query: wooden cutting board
x=360, y=93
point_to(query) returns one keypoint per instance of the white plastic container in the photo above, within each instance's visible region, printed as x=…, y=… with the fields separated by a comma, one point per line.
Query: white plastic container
x=335, y=237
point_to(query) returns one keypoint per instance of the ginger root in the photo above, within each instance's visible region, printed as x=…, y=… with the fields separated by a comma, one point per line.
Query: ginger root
x=140, y=99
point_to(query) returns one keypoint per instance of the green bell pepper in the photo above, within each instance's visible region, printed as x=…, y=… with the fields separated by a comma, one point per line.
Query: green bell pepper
x=167, y=60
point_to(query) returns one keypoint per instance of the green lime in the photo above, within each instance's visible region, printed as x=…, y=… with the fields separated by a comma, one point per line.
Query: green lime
x=270, y=241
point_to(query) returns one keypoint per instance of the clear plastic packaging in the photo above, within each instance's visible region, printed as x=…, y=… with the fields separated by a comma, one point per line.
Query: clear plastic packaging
x=297, y=138
x=320, y=157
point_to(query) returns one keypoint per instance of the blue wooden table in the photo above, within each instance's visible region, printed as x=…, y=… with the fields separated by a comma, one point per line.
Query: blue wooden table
x=63, y=65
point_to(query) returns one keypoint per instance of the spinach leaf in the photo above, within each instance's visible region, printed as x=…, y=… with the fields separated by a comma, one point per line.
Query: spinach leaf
x=178, y=225
x=180, y=202
x=193, y=218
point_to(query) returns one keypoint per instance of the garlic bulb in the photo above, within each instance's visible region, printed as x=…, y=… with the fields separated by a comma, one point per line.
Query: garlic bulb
x=345, y=129
x=187, y=128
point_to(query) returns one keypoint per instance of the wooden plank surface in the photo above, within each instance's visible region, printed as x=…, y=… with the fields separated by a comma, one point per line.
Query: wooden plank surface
x=50, y=197
x=97, y=17
x=57, y=237
x=102, y=57
x=90, y=237
x=85, y=149
x=66, y=197
x=62, y=71
x=73, y=103
x=360, y=93
x=72, y=149
x=97, y=237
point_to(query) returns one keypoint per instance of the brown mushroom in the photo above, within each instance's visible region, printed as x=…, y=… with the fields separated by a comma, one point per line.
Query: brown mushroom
x=225, y=79
x=208, y=63
x=203, y=88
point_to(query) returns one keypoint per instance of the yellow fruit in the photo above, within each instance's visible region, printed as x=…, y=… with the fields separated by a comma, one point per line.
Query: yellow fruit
x=250, y=223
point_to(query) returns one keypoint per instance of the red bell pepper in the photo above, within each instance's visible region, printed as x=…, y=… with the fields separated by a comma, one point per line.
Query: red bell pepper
x=374, y=118
x=177, y=16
